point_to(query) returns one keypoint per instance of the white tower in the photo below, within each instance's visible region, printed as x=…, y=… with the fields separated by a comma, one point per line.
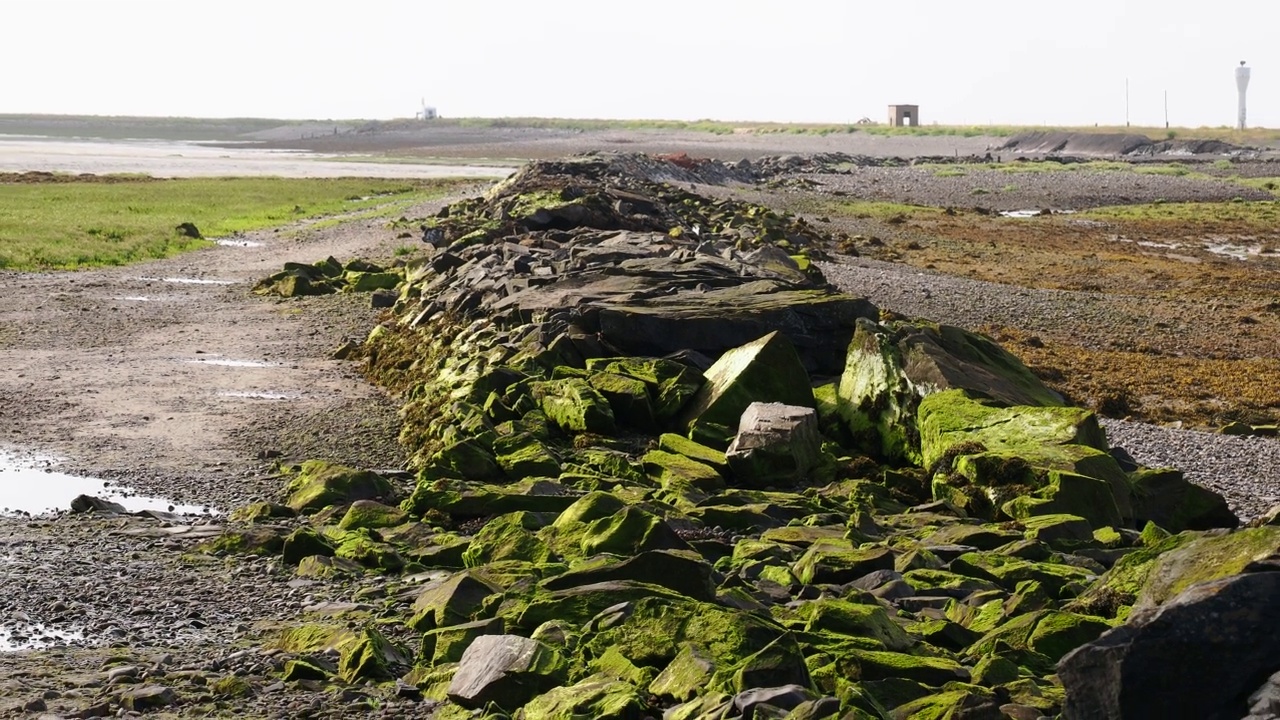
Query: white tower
x=1242, y=84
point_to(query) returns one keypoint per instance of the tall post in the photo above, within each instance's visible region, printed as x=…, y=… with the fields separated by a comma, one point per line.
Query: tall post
x=1126, y=102
x=1242, y=84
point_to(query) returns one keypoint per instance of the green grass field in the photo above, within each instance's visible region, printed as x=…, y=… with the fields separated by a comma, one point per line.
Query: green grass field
x=78, y=224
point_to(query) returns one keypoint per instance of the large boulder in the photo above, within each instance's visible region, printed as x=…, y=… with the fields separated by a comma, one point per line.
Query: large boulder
x=319, y=484
x=776, y=444
x=765, y=370
x=1168, y=499
x=506, y=670
x=891, y=366
x=1200, y=655
x=983, y=455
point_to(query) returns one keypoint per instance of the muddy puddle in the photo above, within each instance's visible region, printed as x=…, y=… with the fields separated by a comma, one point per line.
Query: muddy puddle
x=237, y=243
x=32, y=485
x=1214, y=246
x=188, y=281
x=36, y=636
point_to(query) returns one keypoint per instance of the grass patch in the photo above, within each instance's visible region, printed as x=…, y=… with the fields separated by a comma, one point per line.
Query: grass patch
x=77, y=224
x=1236, y=211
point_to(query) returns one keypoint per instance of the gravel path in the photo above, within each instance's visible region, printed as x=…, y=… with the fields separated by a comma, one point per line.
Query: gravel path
x=1246, y=470
x=964, y=186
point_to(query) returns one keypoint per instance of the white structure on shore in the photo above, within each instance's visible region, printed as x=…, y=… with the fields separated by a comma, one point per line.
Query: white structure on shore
x=1242, y=84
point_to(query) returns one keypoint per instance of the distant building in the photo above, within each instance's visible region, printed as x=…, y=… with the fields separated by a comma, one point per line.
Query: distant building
x=904, y=115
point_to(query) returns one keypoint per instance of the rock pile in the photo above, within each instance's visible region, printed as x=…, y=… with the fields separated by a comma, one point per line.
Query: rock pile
x=663, y=469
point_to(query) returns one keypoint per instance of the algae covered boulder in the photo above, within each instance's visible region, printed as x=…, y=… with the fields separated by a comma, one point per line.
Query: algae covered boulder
x=1168, y=499
x=984, y=455
x=318, y=484
x=574, y=405
x=891, y=366
x=766, y=370
x=598, y=696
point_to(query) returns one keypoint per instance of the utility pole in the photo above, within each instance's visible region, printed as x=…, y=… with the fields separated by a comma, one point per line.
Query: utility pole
x=1166, y=109
x=1126, y=102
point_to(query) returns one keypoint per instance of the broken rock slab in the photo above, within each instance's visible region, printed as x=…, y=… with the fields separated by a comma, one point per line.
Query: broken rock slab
x=776, y=444
x=506, y=670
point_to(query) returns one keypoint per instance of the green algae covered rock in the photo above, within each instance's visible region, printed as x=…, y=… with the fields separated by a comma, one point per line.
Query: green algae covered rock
x=630, y=531
x=261, y=512
x=305, y=542
x=827, y=564
x=452, y=600
x=1068, y=493
x=653, y=631
x=1008, y=571
x=679, y=471
x=767, y=370
x=842, y=617
x=318, y=484
x=574, y=406
x=681, y=445
x=508, y=537
x=521, y=455
x=446, y=644
x=681, y=571
x=670, y=383
x=371, y=515
x=596, y=696
x=628, y=399
x=506, y=671
x=1207, y=558
x=1038, y=640
x=371, y=656
x=891, y=366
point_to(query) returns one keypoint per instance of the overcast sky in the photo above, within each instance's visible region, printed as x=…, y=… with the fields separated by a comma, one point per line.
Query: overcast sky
x=972, y=62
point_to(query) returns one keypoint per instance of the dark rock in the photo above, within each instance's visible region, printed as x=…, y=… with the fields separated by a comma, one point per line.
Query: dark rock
x=1199, y=655
x=150, y=697
x=91, y=504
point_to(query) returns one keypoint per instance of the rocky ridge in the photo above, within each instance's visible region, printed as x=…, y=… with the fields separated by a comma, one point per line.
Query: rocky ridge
x=663, y=468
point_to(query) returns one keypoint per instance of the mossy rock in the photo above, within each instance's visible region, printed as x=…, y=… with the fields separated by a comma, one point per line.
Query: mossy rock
x=628, y=532
x=371, y=656
x=1207, y=558
x=929, y=581
x=319, y=484
x=891, y=366
x=467, y=500
x=327, y=568
x=1008, y=571
x=446, y=644
x=596, y=696
x=686, y=676
x=982, y=537
x=653, y=630
x=955, y=701
x=247, y=541
x=628, y=398
x=454, y=600
x=305, y=542
x=1038, y=640
x=313, y=638
x=363, y=547
x=674, y=472
x=766, y=370
x=297, y=669
x=1059, y=531
x=842, y=617
x=1068, y=493
x=683, y=572
x=1113, y=594
x=371, y=515
x=825, y=565
x=882, y=665
x=509, y=537
x=464, y=459
x=671, y=385
x=522, y=455
x=261, y=512
x=578, y=605
x=681, y=445
x=574, y=406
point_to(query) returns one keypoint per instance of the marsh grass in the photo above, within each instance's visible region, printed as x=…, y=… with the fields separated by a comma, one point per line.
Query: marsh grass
x=79, y=224
x=1258, y=212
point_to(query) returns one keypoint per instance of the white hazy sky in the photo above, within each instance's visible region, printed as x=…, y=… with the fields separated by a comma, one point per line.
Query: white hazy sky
x=971, y=62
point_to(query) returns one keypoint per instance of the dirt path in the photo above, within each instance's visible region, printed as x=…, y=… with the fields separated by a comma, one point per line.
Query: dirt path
x=160, y=385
